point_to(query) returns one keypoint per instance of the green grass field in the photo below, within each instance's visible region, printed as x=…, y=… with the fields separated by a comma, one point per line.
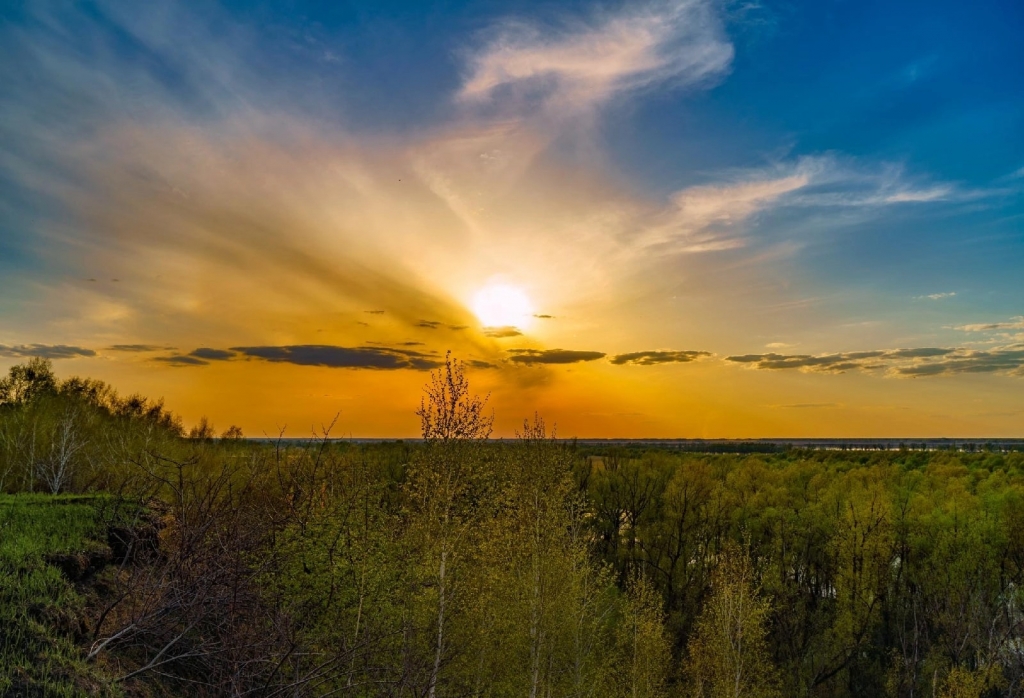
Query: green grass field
x=40, y=607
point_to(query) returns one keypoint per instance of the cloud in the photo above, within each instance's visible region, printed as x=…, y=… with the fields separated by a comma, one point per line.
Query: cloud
x=936, y=296
x=706, y=218
x=212, y=354
x=712, y=217
x=45, y=351
x=181, y=360
x=542, y=316
x=476, y=363
x=921, y=353
x=222, y=206
x=435, y=325
x=651, y=358
x=1016, y=323
x=138, y=348
x=994, y=361
x=582, y=64
x=827, y=362
x=921, y=361
x=380, y=358
x=502, y=332
x=552, y=356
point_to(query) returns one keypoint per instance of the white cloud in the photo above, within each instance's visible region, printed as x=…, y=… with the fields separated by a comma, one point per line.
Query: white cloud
x=703, y=218
x=582, y=65
x=912, y=195
x=712, y=217
x=936, y=296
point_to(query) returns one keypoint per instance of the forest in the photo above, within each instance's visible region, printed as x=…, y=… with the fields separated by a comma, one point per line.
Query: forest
x=138, y=558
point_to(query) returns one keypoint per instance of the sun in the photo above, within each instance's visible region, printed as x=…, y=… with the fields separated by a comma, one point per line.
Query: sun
x=502, y=305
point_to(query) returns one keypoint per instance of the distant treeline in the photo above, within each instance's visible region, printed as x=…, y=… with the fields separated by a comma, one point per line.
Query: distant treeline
x=640, y=446
x=459, y=566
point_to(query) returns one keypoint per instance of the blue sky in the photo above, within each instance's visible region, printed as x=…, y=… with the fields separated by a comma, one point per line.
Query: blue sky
x=703, y=179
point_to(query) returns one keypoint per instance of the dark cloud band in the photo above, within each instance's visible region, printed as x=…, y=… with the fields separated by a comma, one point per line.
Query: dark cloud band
x=138, y=348
x=923, y=361
x=378, y=358
x=45, y=351
x=181, y=360
x=552, y=356
x=212, y=354
x=652, y=358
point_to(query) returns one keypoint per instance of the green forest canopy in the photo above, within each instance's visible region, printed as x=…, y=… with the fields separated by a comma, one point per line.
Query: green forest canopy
x=463, y=566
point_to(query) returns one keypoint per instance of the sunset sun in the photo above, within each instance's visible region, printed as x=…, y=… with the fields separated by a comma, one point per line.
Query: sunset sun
x=502, y=305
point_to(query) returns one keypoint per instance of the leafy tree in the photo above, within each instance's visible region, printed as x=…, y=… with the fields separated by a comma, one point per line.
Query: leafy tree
x=25, y=382
x=233, y=433
x=447, y=487
x=729, y=654
x=644, y=650
x=202, y=431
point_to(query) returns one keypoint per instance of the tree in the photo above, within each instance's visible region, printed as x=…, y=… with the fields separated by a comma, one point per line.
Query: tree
x=448, y=411
x=728, y=655
x=644, y=648
x=233, y=433
x=446, y=487
x=202, y=431
x=25, y=382
x=66, y=440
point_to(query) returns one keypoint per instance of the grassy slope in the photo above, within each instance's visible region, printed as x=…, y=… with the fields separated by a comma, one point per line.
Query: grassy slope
x=40, y=608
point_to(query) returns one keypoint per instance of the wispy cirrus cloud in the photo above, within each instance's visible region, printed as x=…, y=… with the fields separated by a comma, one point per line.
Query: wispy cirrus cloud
x=582, y=63
x=717, y=216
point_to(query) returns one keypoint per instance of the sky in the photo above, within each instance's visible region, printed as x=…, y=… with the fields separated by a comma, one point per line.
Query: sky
x=679, y=218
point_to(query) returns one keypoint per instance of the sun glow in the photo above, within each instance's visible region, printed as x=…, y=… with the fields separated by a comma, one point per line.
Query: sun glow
x=503, y=305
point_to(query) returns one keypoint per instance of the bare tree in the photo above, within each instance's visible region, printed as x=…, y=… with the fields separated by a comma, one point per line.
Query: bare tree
x=66, y=441
x=448, y=411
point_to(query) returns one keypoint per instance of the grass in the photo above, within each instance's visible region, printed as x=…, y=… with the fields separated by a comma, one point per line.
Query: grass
x=40, y=607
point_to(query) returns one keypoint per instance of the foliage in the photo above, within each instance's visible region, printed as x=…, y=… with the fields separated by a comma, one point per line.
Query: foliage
x=74, y=435
x=40, y=609
x=466, y=566
x=728, y=654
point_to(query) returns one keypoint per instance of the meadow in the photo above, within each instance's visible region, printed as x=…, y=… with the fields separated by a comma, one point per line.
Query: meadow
x=141, y=559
